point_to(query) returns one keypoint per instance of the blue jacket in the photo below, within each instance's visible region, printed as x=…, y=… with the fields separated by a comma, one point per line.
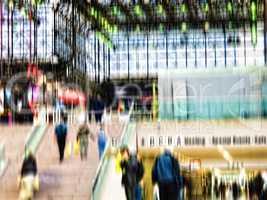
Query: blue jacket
x=61, y=130
x=166, y=169
x=102, y=139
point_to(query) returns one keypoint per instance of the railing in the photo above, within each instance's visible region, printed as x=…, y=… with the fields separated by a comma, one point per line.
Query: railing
x=3, y=160
x=34, y=138
x=104, y=160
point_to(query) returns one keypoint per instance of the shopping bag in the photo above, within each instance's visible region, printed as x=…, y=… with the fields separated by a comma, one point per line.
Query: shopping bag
x=156, y=193
x=118, y=163
x=26, y=187
x=76, y=147
x=36, y=184
x=68, y=150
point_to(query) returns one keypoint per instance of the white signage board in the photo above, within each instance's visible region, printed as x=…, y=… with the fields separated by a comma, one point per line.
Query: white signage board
x=151, y=141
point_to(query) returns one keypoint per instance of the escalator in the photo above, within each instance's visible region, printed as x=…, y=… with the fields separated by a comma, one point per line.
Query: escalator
x=107, y=184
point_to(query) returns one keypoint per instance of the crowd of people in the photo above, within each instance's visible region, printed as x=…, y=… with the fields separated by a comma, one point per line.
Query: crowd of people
x=170, y=184
x=165, y=174
x=28, y=180
x=82, y=138
x=255, y=188
x=166, y=178
x=220, y=190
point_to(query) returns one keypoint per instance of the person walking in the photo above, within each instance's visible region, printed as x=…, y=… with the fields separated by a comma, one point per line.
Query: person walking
x=166, y=173
x=101, y=141
x=98, y=109
x=29, y=165
x=82, y=137
x=258, y=184
x=222, y=188
x=132, y=173
x=235, y=191
x=140, y=175
x=28, y=180
x=61, y=131
x=89, y=106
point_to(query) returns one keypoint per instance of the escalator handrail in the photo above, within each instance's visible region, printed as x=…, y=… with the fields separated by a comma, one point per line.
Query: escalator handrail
x=99, y=169
x=30, y=135
x=30, y=139
x=3, y=160
x=124, y=131
x=2, y=151
x=100, y=165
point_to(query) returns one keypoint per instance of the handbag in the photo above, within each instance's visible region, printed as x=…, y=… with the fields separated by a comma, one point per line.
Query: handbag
x=76, y=147
x=118, y=164
x=36, y=183
x=68, y=150
x=156, y=192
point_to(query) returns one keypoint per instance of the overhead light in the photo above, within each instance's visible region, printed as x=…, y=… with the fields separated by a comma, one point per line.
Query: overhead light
x=138, y=10
x=115, y=29
x=206, y=7
x=161, y=27
x=206, y=26
x=225, y=154
x=254, y=34
x=183, y=8
x=253, y=10
x=184, y=27
x=160, y=9
x=115, y=10
x=229, y=7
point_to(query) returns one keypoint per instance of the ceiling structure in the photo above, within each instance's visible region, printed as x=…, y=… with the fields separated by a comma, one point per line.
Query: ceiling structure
x=109, y=17
x=116, y=24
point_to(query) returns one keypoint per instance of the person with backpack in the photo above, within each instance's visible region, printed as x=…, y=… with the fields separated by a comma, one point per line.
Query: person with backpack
x=132, y=174
x=166, y=173
x=82, y=138
x=61, y=131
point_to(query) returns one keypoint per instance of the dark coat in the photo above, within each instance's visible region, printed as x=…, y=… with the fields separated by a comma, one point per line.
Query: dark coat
x=132, y=171
x=29, y=166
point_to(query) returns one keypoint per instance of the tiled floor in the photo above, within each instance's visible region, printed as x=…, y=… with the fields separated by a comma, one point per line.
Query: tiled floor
x=14, y=139
x=70, y=180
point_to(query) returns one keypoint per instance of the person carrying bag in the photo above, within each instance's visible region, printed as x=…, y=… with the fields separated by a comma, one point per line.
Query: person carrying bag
x=82, y=139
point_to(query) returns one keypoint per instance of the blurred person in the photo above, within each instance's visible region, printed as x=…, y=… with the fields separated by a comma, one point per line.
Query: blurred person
x=82, y=137
x=250, y=189
x=61, y=132
x=181, y=187
x=258, y=184
x=235, y=190
x=98, y=109
x=132, y=174
x=166, y=173
x=28, y=180
x=89, y=106
x=101, y=140
x=216, y=188
x=60, y=105
x=140, y=183
x=222, y=188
